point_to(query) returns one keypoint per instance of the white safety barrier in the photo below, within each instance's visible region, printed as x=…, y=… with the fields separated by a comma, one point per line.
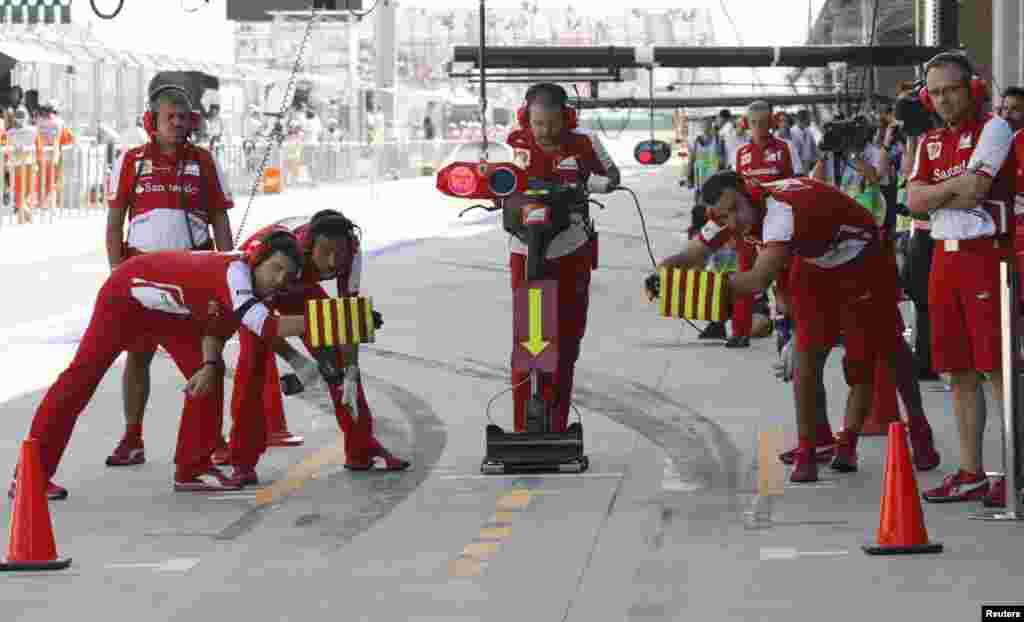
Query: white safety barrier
x=37, y=187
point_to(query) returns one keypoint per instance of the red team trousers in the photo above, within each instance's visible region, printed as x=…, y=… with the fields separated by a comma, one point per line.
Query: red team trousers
x=743, y=306
x=257, y=375
x=573, y=275
x=119, y=323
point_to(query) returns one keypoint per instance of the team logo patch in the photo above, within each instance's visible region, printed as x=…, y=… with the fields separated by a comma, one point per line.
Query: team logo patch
x=934, y=150
x=522, y=157
x=966, y=141
x=192, y=169
x=787, y=185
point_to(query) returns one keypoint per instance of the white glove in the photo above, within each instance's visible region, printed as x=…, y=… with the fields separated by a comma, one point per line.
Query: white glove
x=784, y=366
x=598, y=184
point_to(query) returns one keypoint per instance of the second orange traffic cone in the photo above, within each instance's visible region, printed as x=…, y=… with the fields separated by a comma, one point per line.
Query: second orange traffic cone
x=32, y=546
x=901, y=526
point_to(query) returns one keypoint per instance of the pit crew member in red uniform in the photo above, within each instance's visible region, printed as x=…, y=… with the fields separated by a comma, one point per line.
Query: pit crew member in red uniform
x=841, y=279
x=549, y=146
x=189, y=304
x=171, y=192
x=331, y=251
x=765, y=158
x=963, y=178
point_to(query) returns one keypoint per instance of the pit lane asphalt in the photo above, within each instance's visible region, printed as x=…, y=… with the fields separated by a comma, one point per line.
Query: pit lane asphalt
x=654, y=531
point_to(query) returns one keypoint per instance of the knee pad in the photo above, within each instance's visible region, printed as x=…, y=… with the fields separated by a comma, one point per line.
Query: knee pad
x=856, y=373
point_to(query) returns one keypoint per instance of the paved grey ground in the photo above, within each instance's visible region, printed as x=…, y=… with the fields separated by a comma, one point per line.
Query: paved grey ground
x=654, y=532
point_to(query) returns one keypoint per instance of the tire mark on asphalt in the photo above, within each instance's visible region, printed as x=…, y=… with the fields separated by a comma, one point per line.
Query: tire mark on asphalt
x=678, y=435
x=385, y=490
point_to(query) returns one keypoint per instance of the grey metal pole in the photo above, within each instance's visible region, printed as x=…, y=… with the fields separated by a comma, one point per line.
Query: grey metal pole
x=1011, y=392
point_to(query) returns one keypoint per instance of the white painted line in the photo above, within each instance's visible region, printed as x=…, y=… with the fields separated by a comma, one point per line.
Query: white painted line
x=776, y=553
x=680, y=486
x=822, y=484
x=244, y=497
x=537, y=476
x=171, y=565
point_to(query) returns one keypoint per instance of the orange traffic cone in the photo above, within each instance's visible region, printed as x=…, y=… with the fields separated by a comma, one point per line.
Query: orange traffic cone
x=901, y=527
x=273, y=409
x=885, y=408
x=32, y=546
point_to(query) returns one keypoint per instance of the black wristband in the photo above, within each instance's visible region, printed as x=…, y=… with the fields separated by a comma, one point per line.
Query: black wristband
x=218, y=365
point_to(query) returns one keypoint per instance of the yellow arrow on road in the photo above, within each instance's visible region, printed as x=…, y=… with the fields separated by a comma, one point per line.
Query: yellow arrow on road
x=536, y=343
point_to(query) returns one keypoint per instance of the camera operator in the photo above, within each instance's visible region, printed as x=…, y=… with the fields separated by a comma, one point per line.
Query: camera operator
x=852, y=163
x=963, y=178
x=920, y=246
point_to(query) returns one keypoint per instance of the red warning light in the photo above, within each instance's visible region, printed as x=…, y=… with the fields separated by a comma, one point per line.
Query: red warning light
x=645, y=156
x=462, y=181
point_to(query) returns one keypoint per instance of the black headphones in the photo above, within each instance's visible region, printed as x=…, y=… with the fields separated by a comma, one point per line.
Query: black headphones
x=560, y=96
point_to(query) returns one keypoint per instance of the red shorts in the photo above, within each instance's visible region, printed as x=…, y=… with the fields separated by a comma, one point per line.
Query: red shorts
x=858, y=300
x=963, y=302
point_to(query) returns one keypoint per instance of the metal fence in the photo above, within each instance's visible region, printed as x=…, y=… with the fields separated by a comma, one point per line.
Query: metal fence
x=38, y=186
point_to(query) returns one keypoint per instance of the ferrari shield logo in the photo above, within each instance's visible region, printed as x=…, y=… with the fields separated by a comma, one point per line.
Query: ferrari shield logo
x=966, y=141
x=522, y=158
x=934, y=150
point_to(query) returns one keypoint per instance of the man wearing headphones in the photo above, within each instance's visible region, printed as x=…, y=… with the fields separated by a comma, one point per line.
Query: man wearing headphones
x=331, y=251
x=549, y=146
x=963, y=179
x=171, y=191
x=189, y=304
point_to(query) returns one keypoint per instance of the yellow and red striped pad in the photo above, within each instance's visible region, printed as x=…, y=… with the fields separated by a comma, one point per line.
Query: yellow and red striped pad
x=332, y=322
x=694, y=295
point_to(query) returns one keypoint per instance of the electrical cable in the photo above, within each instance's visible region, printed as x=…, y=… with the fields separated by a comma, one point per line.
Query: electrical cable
x=278, y=131
x=739, y=39
x=117, y=11
x=362, y=14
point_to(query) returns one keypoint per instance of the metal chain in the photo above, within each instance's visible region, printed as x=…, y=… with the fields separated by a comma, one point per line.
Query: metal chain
x=278, y=132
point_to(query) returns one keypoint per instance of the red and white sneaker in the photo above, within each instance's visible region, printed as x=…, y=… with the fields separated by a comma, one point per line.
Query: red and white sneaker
x=805, y=467
x=244, y=476
x=211, y=481
x=222, y=454
x=388, y=462
x=959, y=486
x=128, y=452
x=822, y=453
x=53, y=491
x=845, y=460
x=284, y=439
